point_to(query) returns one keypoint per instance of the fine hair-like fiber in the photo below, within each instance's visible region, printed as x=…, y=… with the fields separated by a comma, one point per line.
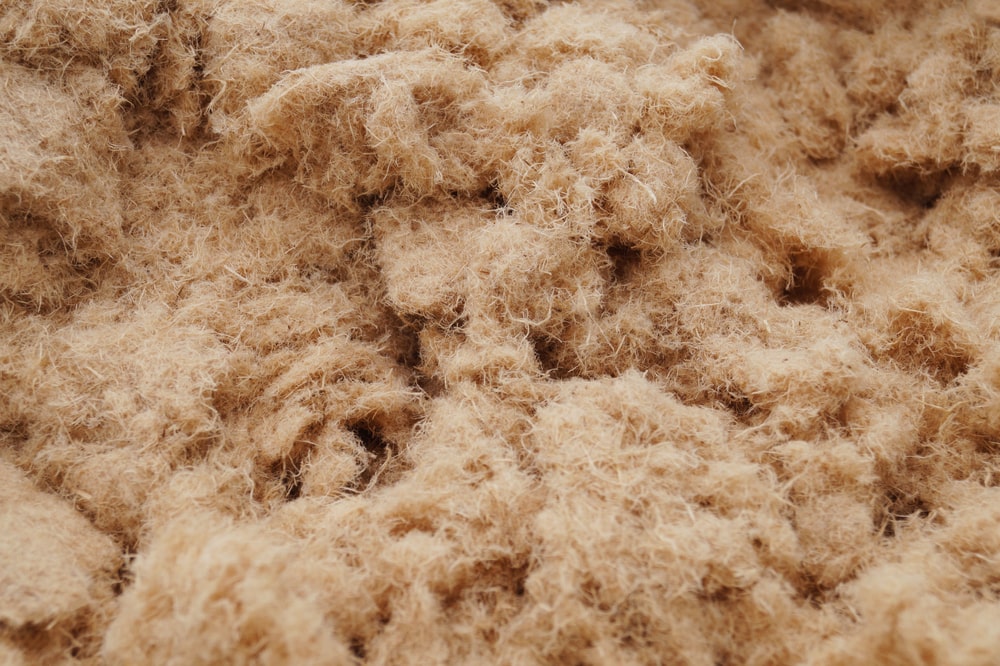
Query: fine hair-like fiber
x=500, y=332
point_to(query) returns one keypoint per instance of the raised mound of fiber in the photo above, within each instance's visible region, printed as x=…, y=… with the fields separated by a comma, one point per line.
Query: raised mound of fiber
x=500, y=332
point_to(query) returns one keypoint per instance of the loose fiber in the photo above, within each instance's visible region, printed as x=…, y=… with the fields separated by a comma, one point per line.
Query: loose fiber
x=473, y=331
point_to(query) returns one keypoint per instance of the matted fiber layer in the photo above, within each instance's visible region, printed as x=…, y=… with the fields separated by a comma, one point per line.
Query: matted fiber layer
x=499, y=332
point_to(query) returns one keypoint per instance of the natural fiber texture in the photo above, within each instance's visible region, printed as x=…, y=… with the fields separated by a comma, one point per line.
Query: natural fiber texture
x=499, y=332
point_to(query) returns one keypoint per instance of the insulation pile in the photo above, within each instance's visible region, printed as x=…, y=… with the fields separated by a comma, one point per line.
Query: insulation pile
x=472, y=331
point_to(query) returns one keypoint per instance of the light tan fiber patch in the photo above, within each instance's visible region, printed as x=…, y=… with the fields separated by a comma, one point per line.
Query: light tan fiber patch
x=499, y=332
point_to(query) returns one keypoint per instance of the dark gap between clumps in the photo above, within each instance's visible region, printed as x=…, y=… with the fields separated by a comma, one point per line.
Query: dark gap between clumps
x=805, y=286
x=407, y=343
x=549, y=352
x=123, y=576
x=379, y=450
x=625, y=261
x=915, y=187
x=14, y=434
x=370, y=439
x=290, y=477
x=815, y=594
x=410, y=352
x=496, y=199
x=358, y=648
x=371, y=200
x=289, y=469
x=901, y=509
x=737, y=403
x=293, y=487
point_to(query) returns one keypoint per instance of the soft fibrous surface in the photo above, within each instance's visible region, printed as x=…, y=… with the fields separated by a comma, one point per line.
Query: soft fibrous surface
x=499, y=332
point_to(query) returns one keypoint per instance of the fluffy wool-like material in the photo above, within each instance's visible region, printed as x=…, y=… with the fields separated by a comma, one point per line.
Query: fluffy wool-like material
x=474, y=331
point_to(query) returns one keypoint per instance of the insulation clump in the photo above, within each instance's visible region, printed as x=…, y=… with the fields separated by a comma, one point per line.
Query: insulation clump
x=473, y=331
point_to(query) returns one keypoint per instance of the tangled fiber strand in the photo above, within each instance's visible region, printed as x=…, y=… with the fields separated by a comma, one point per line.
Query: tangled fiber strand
x=462, y=331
